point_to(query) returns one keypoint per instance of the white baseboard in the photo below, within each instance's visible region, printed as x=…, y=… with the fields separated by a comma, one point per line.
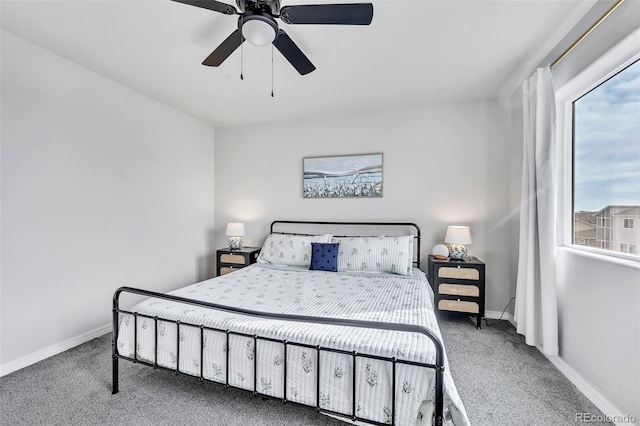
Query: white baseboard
x=52, y=350
x=588, y=391
x=496, y=314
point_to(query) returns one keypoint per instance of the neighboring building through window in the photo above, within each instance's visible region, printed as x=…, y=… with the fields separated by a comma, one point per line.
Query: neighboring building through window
x=606, y=164
x=610, y=228
x=584, y=229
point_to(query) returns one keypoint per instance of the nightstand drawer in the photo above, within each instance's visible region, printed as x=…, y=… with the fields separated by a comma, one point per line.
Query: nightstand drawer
x=459, y=290
x=233, y=258
x=224, y=270
x=458, y=306
x=460, y=273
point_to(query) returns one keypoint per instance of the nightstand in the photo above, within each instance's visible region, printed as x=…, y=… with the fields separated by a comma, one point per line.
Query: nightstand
x=458, y=285
x=228, y=260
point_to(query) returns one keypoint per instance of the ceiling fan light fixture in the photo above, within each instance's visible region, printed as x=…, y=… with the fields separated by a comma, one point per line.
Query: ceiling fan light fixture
x=259, y=30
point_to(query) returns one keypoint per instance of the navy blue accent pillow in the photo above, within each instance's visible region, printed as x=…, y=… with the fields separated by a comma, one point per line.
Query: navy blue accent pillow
x=324, y=257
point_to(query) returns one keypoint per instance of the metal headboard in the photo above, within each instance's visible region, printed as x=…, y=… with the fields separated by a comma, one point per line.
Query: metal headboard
x=276, y=225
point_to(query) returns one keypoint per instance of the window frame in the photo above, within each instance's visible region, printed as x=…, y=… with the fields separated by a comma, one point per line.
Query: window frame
x=602, y=69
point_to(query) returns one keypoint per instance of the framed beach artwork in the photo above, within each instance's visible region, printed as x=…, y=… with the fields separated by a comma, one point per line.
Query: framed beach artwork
x=342, y=176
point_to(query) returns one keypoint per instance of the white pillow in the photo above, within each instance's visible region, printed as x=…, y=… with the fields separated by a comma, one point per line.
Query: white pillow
x=376, y=254
x=291, y=250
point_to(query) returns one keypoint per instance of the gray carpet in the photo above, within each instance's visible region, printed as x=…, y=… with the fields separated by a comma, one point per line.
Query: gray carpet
x=500, y=379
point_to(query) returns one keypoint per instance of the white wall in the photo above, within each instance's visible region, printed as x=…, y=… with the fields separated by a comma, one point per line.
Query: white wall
x=443, y=164
x=101, y=187
x=598, y=310
x=598, y=301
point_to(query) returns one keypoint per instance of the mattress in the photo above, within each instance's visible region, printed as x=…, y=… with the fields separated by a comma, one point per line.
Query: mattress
x=279, y=289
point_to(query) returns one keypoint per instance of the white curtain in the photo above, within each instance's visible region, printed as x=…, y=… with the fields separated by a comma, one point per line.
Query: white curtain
x=536, y=309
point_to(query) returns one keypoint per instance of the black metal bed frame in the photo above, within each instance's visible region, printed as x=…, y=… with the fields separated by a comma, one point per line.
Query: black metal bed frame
x=438, y=367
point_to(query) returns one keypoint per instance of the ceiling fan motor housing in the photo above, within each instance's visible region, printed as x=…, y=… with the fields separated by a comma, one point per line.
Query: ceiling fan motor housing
x=271, y=7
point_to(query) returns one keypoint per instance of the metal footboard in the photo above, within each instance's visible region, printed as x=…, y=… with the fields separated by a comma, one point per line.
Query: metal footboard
x=438, y=367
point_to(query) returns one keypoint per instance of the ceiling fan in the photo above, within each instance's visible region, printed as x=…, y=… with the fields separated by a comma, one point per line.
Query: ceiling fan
x=257, y=24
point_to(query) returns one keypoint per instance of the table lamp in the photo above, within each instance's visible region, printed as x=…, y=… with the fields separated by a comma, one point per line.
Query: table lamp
x=457, y=237
x=235, y=232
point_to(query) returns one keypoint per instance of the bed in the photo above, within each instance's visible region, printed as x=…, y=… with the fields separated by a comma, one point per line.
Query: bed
x=361, y=343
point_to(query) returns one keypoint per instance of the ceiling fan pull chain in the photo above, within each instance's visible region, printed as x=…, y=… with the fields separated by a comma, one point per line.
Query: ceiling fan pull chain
x=241, y=53
x=241, y=63
x=272, y=70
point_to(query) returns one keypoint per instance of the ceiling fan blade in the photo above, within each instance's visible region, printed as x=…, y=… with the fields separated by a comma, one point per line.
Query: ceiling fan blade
x=225, y=49
x=214, y=5
x=292, y=52
x=336, y=14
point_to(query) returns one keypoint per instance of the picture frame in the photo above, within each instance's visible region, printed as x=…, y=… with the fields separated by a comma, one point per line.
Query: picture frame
x=342, y=176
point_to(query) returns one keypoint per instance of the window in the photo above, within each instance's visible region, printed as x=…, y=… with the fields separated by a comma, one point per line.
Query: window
x=606, y=159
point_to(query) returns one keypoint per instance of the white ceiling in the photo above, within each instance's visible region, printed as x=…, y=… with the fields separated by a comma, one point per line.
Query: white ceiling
x=414, y=52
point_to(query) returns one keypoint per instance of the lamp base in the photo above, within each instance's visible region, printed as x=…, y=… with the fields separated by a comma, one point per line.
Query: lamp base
x=457, y=251
x=235, y=243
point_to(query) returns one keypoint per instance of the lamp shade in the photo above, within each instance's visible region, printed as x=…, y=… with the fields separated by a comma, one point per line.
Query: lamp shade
x=235, y=229
x=458, y=235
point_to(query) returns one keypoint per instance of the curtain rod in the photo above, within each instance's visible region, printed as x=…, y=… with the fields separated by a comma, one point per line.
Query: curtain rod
x=583, y=36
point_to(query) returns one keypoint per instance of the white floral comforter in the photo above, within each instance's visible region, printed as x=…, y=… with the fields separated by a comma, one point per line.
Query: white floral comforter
x=372, y=297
